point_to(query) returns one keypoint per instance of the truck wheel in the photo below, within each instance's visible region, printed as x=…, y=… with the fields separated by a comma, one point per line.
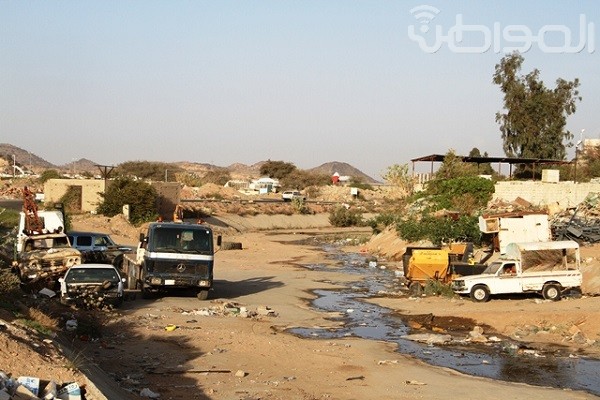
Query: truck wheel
x=146, y=293
x=552, y=292
x=415, y=289
x=480, y=294
x=202, y=294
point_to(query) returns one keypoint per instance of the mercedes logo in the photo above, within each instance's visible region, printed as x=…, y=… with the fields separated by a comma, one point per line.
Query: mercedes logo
x=181, y=267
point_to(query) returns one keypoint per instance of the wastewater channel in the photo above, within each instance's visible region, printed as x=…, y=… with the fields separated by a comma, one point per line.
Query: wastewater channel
x=498, y=361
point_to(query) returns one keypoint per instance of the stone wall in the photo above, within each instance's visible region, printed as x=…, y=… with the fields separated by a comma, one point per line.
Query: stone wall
x=562, y=194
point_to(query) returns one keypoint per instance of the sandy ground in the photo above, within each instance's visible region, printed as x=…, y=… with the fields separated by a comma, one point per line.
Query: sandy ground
x=215, y=352
x=228, y=356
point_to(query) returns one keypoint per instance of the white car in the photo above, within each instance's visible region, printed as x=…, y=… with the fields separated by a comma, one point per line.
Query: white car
x=92, y=284
x=291, y=195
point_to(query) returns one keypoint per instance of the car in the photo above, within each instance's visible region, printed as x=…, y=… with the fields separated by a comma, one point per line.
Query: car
x=96, y=247
x=92, y=285
x=291, y=195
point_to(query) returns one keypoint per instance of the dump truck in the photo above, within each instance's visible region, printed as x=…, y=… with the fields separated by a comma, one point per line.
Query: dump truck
x=172, y=256
x=422, y=264
x=546, y=268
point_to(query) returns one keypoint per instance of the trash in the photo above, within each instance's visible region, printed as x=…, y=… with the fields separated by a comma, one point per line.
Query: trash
x=71, y=325
x=50, y=391
x=31, y=383
x=240, y=374
x=149, y=393
x=415, y=383
x=47, y=292
x=70, y=392
x=428, y=338
x=170, y=328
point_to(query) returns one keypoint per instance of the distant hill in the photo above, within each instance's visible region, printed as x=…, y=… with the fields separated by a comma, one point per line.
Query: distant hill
x=27, y=160
x=344, y=169
x=23, y=158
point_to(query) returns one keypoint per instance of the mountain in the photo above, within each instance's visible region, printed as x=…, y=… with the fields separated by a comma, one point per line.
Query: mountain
x=344, y=169
x=28, y=160
x=23, y=158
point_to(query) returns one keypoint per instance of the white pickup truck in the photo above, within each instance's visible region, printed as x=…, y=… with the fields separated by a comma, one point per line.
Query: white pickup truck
x=549, y=268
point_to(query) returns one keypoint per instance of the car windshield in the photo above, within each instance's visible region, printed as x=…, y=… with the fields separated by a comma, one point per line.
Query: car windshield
x=47, y=243
x=104, y=241
x=181, y=240
x=92, y=275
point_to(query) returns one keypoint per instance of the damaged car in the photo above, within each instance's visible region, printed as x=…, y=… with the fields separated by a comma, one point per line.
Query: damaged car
x=45, y=256
x=92, y=286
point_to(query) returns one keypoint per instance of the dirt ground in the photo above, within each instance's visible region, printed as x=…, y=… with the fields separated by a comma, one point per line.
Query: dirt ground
x=234, y=346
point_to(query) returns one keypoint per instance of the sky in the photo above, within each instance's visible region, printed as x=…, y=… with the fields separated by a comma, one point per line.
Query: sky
x=369, y=82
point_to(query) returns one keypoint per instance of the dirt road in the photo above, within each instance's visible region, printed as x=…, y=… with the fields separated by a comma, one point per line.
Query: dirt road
x=234, y=346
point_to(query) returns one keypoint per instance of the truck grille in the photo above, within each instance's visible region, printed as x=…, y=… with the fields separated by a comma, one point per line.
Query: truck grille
x=182, y=268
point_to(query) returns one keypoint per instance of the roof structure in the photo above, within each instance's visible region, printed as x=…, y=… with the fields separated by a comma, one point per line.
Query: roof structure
x=490, y=160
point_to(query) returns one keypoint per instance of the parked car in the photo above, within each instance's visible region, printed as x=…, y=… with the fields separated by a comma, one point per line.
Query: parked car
x=96, y=247
x=291, y=195
x=92, y=285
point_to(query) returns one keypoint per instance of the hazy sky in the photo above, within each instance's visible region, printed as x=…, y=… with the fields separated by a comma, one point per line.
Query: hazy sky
x=301, y=81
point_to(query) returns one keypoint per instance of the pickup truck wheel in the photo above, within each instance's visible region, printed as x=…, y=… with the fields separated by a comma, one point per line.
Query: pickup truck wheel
x=480, y=294
x=202, y=294
x=552, y=292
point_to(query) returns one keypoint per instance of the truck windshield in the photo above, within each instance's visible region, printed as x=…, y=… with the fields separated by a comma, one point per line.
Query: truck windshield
x=492, y=268
x=181, y=240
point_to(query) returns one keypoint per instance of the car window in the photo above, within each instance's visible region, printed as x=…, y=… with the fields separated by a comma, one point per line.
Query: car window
x=92, y=275
x=84, y=241
x=101, y=241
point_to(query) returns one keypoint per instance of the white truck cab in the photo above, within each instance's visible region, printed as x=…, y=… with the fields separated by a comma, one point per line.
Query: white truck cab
x=548, y=268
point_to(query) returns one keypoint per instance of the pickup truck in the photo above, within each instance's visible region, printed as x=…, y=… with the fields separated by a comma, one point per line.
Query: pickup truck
x=548, y=268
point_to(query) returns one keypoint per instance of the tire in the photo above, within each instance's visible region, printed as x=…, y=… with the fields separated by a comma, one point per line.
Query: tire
x=231, y=246
x=415, y=289
x=552, y=291
x=146, y=293
x=480, y=294
x=202, y=294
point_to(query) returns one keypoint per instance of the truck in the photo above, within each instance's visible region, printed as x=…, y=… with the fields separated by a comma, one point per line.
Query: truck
x=422, y=264
x=172, y=256
x=42, y=249
x=546, y=268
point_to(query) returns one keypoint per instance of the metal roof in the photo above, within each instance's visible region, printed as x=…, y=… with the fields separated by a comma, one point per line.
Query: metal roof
x=483, y=160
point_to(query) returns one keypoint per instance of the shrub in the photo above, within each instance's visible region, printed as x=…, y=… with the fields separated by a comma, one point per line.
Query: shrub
x=49, y=174
x=440, y=229
x=437, y=288
x=9, y=285
x=343, y=217
x=140, y=196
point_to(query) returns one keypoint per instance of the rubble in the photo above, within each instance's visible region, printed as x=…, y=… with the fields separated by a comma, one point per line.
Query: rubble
x=581, y=224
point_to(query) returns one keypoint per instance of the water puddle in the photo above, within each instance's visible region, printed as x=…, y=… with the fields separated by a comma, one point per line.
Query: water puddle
x=499, y=361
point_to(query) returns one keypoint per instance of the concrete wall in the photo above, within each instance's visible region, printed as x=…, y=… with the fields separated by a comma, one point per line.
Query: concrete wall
x=562, y=194
x=54, y=189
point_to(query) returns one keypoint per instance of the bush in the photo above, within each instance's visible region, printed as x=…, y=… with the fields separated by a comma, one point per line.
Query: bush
x=343, y=217
x=437, y=288
x=140, y=196
x=49, y=174
x=440, y=229
x=9, y=285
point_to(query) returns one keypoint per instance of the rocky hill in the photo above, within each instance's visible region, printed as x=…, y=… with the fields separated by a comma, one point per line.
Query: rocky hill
x=28, y=160
x=344, y=169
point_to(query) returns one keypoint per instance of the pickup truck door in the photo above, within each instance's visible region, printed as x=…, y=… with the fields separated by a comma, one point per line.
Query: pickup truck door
x=508, y=282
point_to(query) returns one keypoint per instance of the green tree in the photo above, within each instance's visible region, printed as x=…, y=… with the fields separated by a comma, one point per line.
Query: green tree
x=484, y=168
x=140, y=196
x=454, y=167
x=399, y=177
x=49, y=174
x=155, y=171
x=277, y=169
x=299, y=179
x=533, y=125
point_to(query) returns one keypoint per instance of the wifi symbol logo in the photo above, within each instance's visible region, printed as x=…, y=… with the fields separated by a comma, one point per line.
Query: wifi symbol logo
x=424, y=14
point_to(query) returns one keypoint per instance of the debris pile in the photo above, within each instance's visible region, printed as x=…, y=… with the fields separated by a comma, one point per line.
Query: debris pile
x=28, y=387
x=581, y=224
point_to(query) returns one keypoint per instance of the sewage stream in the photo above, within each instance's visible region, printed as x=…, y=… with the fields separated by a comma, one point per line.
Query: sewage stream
x=498, y=361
